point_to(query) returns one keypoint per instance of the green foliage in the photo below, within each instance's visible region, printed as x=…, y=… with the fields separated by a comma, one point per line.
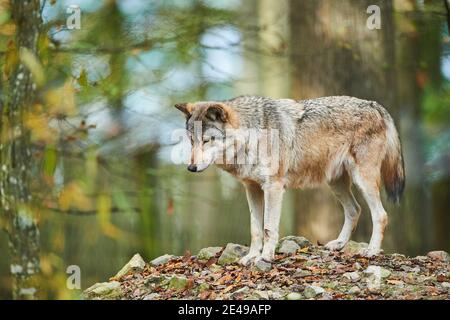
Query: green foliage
x=50, y=160
x=436, y=105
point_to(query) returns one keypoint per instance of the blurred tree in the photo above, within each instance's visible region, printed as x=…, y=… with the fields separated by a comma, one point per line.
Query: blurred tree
x=416, y=70
x=18, y=100
x=334, y=53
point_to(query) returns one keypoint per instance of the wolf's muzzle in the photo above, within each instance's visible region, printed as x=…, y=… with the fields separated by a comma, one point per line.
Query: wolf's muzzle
x=192, y=168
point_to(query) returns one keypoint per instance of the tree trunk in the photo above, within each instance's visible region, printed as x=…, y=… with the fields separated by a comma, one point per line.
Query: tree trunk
x=414, y=215
x=274, y=36
x=334, y=53
x=20, y=95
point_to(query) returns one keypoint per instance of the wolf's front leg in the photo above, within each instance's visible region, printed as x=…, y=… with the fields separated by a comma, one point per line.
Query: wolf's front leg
x=255, y=198
x=273, y=198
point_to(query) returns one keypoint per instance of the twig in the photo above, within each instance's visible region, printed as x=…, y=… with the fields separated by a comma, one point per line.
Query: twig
x=78, y=212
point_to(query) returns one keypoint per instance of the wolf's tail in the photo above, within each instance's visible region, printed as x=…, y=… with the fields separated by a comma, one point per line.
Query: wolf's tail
x=392, y=167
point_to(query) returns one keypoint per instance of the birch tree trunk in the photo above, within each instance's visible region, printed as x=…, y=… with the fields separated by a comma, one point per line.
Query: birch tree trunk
x=16, y=171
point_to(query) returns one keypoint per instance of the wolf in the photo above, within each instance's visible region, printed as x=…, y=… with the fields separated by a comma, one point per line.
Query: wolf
x=338, y=140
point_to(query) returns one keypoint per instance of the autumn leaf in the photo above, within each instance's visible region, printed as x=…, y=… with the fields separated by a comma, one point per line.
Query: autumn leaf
x=38, y=124
x=210, y=262
x=11, y=58
x=421, y=78
x=33, y=64
x=170, y=207
x=442, y=278
x=190, y=284
x=73, y=195
x=226, y=278
x=187, y=256
x=395, y=282
x=104, y=216
x=61, y=100
x=82, y=79
x=7, y=29
x=229, y=288
x=204, y=295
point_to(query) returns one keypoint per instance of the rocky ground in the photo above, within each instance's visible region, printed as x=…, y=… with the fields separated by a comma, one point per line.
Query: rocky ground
x=301, y=270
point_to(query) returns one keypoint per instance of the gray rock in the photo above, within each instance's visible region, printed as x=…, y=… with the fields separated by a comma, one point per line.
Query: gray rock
x=262, y=265
x=294, y=296
x=161, y=260
x=374, y=283
x=439, y=256
x=178, y=282
x=156, y=281
x=261, y=286
x=312, y=291
x=398, y=256
x=375, y=274
x=378, y=271
x=357, y=266
x=326, y=296
x=232, y=253
x=208, y=253
x=416, y=269
x=311, y=262
x=275, y=295
x=136, y=264
x=355, y=290
x=215, y=268
x=352, y=276
x=152, y=296
x=288, y=247
x=446, y=285
x=300, y=241
x=104, y=290
x=353, y=247
x=297, y=287
x=331, y=284
x=422, y=258
x=301, y=273
x=264, y=295
x=239, y=292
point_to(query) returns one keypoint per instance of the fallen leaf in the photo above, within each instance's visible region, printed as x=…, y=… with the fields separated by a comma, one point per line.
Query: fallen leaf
x=395, y=282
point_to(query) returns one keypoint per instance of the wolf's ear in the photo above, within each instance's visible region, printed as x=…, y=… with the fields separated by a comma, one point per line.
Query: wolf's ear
x=217, y=113
x=183, y=107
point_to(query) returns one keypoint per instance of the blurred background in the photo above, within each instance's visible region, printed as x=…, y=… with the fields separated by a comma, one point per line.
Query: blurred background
x=87, y=120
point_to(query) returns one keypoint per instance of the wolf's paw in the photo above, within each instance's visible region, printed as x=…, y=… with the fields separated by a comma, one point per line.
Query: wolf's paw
x=248, y=259
x=335, y=245
x=371, y=252
x=264, y=258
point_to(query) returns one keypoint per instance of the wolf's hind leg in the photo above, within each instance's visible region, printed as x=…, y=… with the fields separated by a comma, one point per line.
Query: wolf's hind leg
x=343, y=192
x=368, y=182
x=255, y=198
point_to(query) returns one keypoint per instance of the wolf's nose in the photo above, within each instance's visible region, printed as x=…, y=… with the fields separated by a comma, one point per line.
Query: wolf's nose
x=192, y=168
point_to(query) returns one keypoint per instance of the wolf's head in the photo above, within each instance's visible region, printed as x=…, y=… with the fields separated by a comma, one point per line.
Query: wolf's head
x=206, y=125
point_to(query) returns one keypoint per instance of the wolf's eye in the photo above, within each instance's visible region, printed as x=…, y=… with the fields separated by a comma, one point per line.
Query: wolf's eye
x=206, y=139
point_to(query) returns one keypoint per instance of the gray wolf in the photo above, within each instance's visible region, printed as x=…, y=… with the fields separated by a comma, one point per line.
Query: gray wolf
x=335, y=140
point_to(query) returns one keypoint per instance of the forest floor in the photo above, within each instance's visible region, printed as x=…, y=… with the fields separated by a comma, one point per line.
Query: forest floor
x=301, y=270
